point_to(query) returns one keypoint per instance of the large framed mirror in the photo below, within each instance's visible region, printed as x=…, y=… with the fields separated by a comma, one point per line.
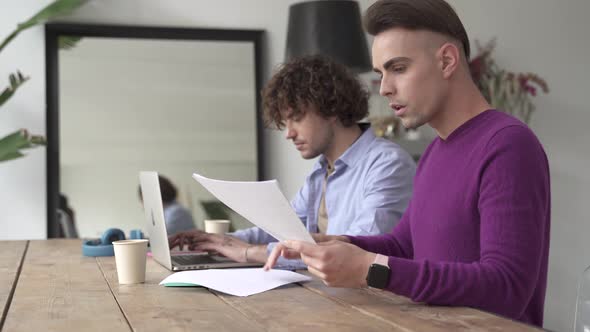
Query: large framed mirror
x=122, y=99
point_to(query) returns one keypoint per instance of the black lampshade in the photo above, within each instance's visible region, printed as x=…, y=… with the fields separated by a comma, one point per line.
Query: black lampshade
x=329, y=27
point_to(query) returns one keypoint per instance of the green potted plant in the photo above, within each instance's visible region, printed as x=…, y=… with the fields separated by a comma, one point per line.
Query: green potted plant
x=11, y=145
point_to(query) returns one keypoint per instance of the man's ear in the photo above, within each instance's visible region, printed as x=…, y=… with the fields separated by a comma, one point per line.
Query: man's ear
x=449, y=58
x=334, y=120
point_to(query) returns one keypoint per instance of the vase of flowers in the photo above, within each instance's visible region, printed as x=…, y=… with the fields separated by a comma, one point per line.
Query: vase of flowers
x=505, y=90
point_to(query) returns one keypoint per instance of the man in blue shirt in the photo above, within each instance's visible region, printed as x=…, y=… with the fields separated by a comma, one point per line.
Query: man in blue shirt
x=360, y=184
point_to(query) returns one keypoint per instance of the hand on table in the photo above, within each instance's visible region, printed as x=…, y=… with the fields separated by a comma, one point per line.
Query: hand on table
x=226, y=245
x=337, y=263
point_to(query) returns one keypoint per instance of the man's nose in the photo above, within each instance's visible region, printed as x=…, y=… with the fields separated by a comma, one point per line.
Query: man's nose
x=289, y=133
x=386, y=88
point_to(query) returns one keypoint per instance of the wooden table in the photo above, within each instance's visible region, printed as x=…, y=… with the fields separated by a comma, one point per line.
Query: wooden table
x=49, y=286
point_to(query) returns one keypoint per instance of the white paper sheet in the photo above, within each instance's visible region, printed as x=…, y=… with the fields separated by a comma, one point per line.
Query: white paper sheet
x=239, y=282
x=262, y=203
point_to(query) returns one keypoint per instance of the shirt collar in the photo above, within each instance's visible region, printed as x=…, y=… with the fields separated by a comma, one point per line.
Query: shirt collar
x=353, y=154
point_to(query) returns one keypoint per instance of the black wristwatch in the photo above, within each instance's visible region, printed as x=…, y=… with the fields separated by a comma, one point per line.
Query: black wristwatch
x=379, y=272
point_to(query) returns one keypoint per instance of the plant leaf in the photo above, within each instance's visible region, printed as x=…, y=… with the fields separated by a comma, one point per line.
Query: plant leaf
x=16, y=80
x=10, y=145
x=57, y=8
x=68, y=42
x=8, y=39
x=11, y=156
x=54, y=9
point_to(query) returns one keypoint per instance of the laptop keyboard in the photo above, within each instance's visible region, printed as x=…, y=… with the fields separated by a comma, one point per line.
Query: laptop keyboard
x=195, y=259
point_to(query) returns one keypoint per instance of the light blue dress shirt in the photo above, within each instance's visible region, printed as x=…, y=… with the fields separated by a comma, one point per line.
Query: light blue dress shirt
x=366, y=195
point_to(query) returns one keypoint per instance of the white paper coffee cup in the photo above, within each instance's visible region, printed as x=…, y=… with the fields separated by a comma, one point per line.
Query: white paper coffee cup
x=217, y=226
x=130, y=258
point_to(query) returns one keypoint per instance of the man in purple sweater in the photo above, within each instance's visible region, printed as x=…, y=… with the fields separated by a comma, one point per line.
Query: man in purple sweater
x=476, y=232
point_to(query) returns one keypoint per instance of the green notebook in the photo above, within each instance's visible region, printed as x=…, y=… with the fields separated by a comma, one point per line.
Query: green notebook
x=181, y=284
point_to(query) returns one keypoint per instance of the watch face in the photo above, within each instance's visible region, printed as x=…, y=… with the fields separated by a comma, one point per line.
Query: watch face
x=378, y=276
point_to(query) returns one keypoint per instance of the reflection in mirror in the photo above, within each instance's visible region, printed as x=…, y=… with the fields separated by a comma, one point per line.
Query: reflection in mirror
x=170, y=105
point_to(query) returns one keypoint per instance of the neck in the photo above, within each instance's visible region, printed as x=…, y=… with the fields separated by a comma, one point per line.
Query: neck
x=462, y=104
x=343, y=138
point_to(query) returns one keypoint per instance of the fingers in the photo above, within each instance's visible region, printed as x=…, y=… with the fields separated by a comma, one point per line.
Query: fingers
x=304, y=248
x=198, y=236
x=172, y=242
x=280, y=250
x=205, y=246
x=296, y=249
x=190, y=238
x=203, y=243
x=319, y=237
x=324, y=260
x=184, y=239
x=181, y=240
x=290, y=254
x=317, y=273
x=176, y=241
x=273, y=257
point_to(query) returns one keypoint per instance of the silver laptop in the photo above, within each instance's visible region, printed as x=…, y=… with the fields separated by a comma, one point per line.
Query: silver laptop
x=156, y=228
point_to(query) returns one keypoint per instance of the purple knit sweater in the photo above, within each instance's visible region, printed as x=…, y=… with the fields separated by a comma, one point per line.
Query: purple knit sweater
x=476, y=232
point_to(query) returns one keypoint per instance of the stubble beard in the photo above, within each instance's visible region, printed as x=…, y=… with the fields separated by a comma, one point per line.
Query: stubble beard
x=326, y=142
x=413, y=122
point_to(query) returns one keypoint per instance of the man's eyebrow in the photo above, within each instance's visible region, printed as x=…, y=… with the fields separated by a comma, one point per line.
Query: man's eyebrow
x=393, y=61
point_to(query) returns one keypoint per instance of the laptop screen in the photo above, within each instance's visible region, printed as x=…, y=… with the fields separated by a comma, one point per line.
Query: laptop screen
x=154, y=217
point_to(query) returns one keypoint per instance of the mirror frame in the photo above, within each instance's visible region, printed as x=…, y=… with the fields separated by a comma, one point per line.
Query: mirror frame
x=52, y=33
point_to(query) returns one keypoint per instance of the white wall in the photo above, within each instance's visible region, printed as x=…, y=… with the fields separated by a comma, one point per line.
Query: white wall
x=550, y=38
x=542, y=36
x=23, y=182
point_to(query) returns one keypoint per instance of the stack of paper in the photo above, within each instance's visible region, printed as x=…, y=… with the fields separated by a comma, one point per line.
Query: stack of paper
x=239, y=282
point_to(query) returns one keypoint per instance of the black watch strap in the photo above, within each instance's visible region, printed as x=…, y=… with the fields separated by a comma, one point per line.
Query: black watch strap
x=378, y=276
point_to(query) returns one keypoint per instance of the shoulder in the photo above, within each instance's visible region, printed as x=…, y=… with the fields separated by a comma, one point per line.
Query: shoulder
x=384, y=151
x=514, y=135
x=499, y=126
x=386, y=162
x=515, y=151
x=176, y=209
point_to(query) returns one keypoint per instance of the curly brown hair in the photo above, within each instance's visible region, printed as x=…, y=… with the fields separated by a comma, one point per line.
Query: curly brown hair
x=314, y=81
